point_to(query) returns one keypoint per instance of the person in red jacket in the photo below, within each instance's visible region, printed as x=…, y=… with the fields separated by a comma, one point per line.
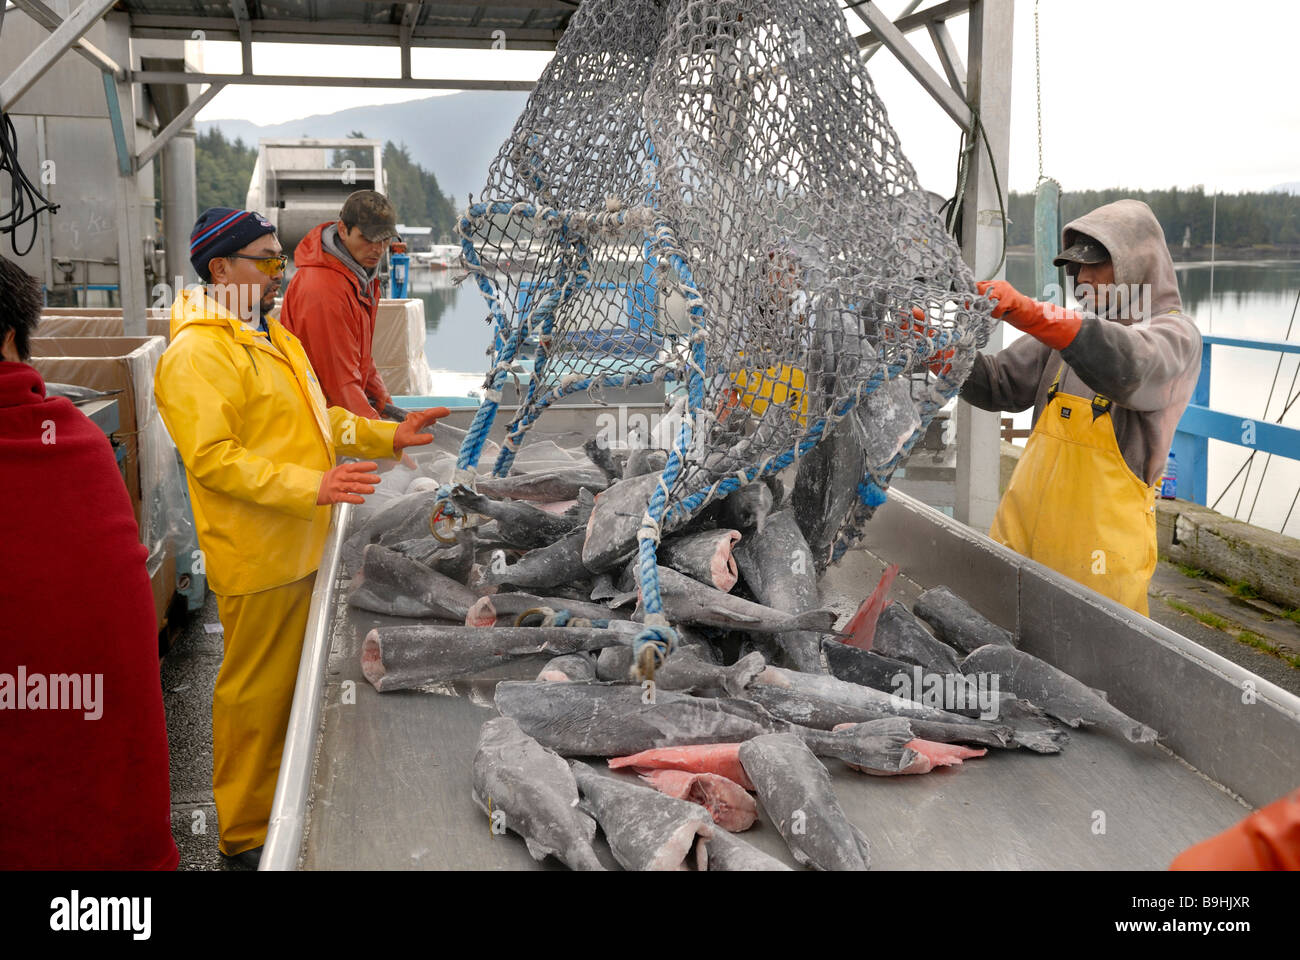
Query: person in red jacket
x=83, y=740
x=331, y=302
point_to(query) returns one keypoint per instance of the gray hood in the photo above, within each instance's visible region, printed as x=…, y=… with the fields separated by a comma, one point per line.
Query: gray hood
x=1135, y=241
x=1147, y=360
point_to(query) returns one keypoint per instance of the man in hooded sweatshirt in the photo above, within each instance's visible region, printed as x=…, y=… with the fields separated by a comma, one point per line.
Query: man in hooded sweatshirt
x=333, y=299
x=1108, y=385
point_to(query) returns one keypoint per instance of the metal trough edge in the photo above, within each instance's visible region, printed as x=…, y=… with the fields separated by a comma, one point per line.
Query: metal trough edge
x=289, y=808
x=1196, y=699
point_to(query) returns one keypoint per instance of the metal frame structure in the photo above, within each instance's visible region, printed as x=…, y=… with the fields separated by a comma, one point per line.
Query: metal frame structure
x=977, y=99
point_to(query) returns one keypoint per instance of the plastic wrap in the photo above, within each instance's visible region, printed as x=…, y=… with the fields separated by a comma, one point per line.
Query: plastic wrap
x=398, y=348
x=154, y=478
x=79, y=325
x=101, y=322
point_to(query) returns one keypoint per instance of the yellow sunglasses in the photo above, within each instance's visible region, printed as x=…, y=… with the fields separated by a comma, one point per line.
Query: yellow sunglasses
x=268, y=265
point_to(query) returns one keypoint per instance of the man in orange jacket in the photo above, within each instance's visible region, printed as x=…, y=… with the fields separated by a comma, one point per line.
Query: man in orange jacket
x=333, y=298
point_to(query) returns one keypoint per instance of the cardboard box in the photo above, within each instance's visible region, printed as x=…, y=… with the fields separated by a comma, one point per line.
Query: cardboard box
x=398, y=348
x=162, y=579
x=110, y=363
x=81, y=311
x=103, y=322
x=79, y=325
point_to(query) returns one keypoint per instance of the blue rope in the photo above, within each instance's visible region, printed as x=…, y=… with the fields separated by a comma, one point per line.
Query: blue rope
x=661, y=638
x=564, y=617
x=505, y=345
x=658, y=639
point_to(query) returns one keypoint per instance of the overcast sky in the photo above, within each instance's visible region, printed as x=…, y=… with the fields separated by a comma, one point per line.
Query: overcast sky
x=1136, y=93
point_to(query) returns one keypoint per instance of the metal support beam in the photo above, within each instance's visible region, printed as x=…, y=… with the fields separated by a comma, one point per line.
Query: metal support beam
x=420, y=83
x=948, y=56
x=893, y=39
x=124, y=165
x=410, y=14
x=239, y=10
x=51, y=48
x=875, y=48
x=129, y=216
x=989, y=81
x=178, y=123
x=179, y=207
x=47, y=18
x=868, y=42
x=344, y=32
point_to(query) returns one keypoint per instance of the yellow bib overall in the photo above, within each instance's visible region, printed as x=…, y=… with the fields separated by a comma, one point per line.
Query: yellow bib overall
x=1074, y=505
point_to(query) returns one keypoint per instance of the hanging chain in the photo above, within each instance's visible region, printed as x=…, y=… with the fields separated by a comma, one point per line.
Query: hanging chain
x=1038, y=93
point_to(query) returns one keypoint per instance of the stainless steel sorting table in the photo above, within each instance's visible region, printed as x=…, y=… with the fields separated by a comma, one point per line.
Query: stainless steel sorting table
x=374, y=781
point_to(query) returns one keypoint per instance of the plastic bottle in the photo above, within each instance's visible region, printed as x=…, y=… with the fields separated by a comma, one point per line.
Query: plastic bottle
x=1169, y=482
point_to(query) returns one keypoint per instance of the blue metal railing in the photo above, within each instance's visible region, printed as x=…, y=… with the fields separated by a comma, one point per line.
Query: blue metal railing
x=1201, y=424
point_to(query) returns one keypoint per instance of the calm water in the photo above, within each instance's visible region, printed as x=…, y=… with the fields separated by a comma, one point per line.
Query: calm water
x=1253, y=300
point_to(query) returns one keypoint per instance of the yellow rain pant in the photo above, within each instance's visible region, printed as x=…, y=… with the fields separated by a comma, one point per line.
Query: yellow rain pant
x=250, y=706
x=1074, y=505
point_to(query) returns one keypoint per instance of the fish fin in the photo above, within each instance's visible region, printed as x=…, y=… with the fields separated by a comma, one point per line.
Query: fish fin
x=741, y=674
x=820, y=621
x=723, y=612
x=622, y=599
x=586, y=823
x=862, y=627
x=478, y=801
x=1041, y=741
x=1140, y=733
x=537, y=851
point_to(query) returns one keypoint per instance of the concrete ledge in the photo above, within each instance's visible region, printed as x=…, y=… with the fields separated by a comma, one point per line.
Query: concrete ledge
x=1230, y=550
x=1010, y=456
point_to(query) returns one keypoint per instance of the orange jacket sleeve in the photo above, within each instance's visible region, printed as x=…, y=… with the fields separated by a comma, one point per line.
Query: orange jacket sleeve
x=1268, y=839
x=375, y=388
x=328, y=331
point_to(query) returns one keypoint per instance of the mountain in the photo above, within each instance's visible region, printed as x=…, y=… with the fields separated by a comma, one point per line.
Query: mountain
x=455, y=136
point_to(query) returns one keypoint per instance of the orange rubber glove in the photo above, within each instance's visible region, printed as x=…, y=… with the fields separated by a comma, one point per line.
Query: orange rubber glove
x=409, y=430
x=1052, y=325
x=939, y=365
x=1268, y=839
x=346, y=482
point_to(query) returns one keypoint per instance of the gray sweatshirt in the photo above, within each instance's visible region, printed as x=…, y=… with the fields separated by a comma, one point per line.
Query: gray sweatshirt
x=1146, y=360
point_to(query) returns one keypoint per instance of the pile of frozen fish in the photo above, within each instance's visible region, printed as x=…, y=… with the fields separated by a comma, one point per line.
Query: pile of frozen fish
x=759, y=694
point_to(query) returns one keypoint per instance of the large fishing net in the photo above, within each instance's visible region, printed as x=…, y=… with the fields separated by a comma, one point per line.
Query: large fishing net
x=707, y=194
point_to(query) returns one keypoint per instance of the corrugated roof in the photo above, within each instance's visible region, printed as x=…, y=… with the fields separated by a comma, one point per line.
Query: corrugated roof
x=433, y=22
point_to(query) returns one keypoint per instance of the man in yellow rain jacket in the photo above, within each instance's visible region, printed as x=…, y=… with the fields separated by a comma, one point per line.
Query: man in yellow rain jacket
x=1108, y=385
x=239, y=397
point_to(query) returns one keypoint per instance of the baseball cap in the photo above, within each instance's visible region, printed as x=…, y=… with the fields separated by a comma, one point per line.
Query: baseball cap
x=1084, y=250
x=371, y=213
